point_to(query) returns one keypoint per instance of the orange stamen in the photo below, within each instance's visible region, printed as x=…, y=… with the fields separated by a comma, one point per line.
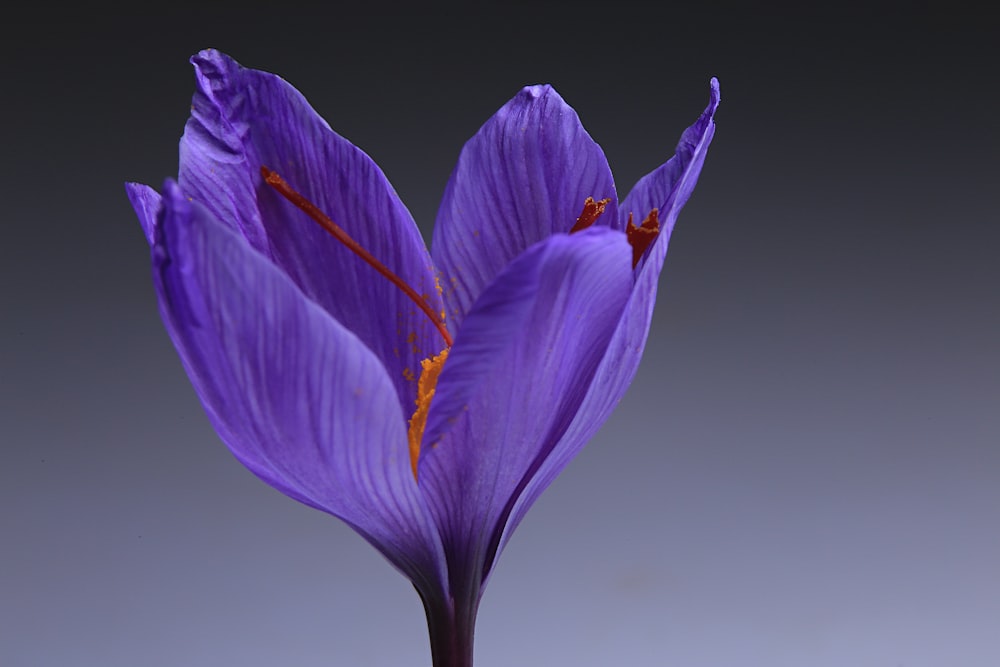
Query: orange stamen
x=430, y=369
x=310, y=209
x=592, y=210
x=642, y=236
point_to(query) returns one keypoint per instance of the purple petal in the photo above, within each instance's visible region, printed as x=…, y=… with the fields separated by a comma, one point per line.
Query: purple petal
x=667, y=188
x=608, y=386
x=523, y=177
x=146, y=202
x=243, y=119
x=295, y=395
x=514, y=380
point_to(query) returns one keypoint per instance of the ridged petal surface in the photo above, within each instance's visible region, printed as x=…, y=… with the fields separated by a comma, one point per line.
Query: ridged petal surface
x=524, y=176
x=297, y=397
x=242, y=119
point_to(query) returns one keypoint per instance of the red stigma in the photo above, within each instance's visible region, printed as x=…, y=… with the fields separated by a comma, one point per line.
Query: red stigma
x=641, y=237
x=334, y=230
x=592, y=210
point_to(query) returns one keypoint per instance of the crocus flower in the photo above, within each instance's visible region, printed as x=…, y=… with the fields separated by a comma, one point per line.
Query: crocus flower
x=425, y=398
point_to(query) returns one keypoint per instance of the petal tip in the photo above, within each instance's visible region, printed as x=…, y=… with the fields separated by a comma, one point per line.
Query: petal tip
x=537, y=91
x=714, y=95
x=146, y=204
x=134, y=189
x=212, y=65
x=210, y=57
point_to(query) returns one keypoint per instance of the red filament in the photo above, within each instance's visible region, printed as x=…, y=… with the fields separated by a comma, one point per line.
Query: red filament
x=332, y=228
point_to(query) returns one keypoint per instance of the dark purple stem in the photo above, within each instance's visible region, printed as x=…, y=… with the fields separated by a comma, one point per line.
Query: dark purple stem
x=451, y=632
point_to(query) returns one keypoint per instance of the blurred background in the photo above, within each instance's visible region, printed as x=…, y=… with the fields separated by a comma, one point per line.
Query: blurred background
x=805, y=472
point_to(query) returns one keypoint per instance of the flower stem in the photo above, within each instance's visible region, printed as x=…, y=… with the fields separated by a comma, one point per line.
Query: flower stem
x=451, y=633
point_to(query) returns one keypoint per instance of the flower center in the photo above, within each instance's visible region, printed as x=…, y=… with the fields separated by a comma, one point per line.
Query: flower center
x=640, y=238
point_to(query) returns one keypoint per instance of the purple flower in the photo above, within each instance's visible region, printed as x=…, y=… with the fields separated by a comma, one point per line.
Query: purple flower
x=429, y=421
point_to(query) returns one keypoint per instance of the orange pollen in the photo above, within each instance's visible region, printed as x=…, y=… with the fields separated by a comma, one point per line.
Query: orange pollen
x=430, y=369
x=334, y=230
x=592, y=210
x=641, y=237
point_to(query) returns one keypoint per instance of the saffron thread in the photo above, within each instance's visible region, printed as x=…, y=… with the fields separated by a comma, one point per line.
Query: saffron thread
x=592, y=210
x=334, y=230
x=641, y=237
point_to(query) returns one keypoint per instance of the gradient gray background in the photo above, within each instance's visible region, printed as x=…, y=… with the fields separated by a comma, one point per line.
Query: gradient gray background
x=805, y=473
